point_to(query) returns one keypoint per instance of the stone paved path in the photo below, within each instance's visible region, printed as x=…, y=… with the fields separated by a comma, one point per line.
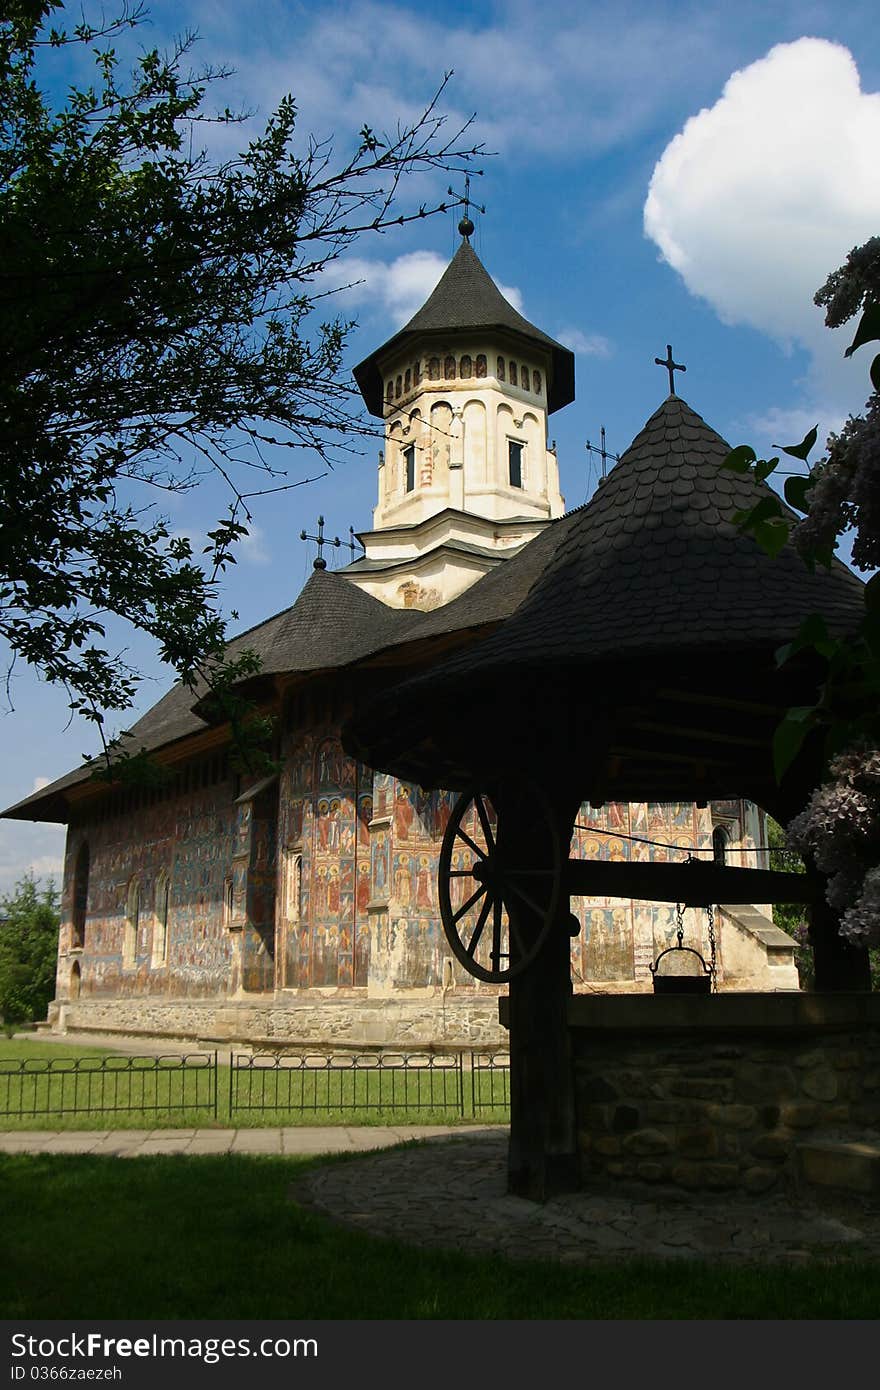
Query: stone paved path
x=450, y=1193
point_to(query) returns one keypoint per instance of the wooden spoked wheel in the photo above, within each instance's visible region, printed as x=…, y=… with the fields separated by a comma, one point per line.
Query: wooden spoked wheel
x=483, y=894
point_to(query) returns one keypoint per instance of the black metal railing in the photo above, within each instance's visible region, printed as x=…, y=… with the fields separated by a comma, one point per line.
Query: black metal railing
x=36, y=1086
x=458, y=1085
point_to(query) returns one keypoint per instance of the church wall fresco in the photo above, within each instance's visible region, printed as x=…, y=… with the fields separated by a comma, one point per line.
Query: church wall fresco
x=191, y=839
x=326, y=809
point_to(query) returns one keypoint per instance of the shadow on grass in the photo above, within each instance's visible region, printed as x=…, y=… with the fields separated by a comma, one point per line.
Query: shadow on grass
x=218, y=1237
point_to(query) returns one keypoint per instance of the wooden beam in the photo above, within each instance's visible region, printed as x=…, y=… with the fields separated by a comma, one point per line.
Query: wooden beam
x=694, y=885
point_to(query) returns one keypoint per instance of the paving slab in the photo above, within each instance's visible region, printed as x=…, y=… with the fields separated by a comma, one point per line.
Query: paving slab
x=257, y=1141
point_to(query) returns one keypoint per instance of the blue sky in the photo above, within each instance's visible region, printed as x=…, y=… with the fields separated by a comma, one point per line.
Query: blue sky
x=684, y=173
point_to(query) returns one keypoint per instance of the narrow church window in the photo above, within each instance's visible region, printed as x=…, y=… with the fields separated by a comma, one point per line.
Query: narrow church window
x=513, y=374
x=417, y=373
x=160, y=925
x=398, y=386
x=514, y=460
x=293, y=885
x=466, y=369
x=481, y=364
x=720, y=841
x=536, y=383
x=434, y=369
x=228, y=901
x=409, y=458
x=524, y=378
x=499, y=372
x=407, y=381
x=449, y=369
x=130, y=929
x=80, y=897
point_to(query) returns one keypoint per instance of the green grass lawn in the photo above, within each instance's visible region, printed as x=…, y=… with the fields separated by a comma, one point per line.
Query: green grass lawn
x=218, y=1237
x=63, y=1089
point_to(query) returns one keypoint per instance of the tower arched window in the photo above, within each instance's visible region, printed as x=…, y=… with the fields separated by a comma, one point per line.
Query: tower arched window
x=389, y=390
x=499, y=370
x=434, y=369
x=536, y=383
x=407, y=381
x=80, y=897
x=409, y=460
x=398, y=386
x=466, y=368
x=513, y=373
x=481, y=365
x=524, y=378
x=449, y=368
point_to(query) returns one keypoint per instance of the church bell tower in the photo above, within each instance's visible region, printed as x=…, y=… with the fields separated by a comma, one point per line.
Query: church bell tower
x=466, y=478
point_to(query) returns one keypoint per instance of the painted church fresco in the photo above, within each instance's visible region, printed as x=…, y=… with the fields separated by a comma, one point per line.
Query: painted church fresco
x=326, y=821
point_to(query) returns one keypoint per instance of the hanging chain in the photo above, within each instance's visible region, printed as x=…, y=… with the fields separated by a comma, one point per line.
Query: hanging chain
x=713, y=962
x=679, y=922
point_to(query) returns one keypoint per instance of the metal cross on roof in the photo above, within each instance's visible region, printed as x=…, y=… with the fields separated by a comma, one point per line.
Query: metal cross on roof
x=602, y=452
x=670, y=367
x=322, y=540
x=353, y=543
x=466, y=226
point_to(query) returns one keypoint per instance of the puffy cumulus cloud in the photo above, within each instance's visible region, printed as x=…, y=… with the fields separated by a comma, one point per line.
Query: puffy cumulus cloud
x=399, y=287
x=585, y=344
x=759, y=197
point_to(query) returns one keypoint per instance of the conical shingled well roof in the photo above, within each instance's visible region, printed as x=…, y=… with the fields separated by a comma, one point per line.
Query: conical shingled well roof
x=466, y=297
x=652, y=572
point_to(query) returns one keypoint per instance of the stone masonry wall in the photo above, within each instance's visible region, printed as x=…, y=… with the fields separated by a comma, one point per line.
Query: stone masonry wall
x=666, y=1093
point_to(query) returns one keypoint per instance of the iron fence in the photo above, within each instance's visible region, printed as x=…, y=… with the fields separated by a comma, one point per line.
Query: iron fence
x=391, y=1082
x=443, y=1085
x=490, y=1081
x=36, y=1086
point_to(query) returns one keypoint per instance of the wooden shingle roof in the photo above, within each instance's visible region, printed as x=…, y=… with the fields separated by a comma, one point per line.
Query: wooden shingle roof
x=467, y=297
x=651, y=574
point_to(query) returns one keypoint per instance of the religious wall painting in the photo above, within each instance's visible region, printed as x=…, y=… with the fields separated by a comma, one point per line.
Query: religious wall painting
x=607, y=946
x=403, y=880
x=404, y=812
x=380, y=864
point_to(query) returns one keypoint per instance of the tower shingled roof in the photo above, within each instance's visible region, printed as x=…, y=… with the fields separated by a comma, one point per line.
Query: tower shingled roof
x=466, y=297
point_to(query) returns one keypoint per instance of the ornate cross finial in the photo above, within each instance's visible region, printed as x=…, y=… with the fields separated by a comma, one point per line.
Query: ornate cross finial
x=603, y=453
x=320, y=563
x=670, y=367
x=466, y=226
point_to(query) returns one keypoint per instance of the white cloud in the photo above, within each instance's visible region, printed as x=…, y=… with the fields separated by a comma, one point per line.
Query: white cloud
x=27, y=847
x=586, y=344
x=757, y=199
x=40, y=783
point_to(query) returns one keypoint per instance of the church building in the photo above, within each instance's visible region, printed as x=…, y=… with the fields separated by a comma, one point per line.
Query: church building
x=301, y=906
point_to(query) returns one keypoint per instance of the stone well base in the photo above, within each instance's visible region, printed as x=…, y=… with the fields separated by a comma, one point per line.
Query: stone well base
x=717, y=1092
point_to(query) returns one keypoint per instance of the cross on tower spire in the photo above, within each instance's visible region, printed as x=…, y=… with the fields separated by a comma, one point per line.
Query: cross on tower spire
x=466, y=226
x=670, y=367
x=322, y=540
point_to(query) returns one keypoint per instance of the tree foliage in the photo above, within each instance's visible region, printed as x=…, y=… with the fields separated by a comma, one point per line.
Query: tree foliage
x=840, y=827
x=158, y=322
x=29, y=921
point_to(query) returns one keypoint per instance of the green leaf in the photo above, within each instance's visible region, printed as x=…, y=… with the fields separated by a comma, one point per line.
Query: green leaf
x=868, y=330
x=767, y=508
x=740, y=460
x=771, y=535
x=800, y=451
x=788, y=739
x=796, y=490
x=764, y=468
